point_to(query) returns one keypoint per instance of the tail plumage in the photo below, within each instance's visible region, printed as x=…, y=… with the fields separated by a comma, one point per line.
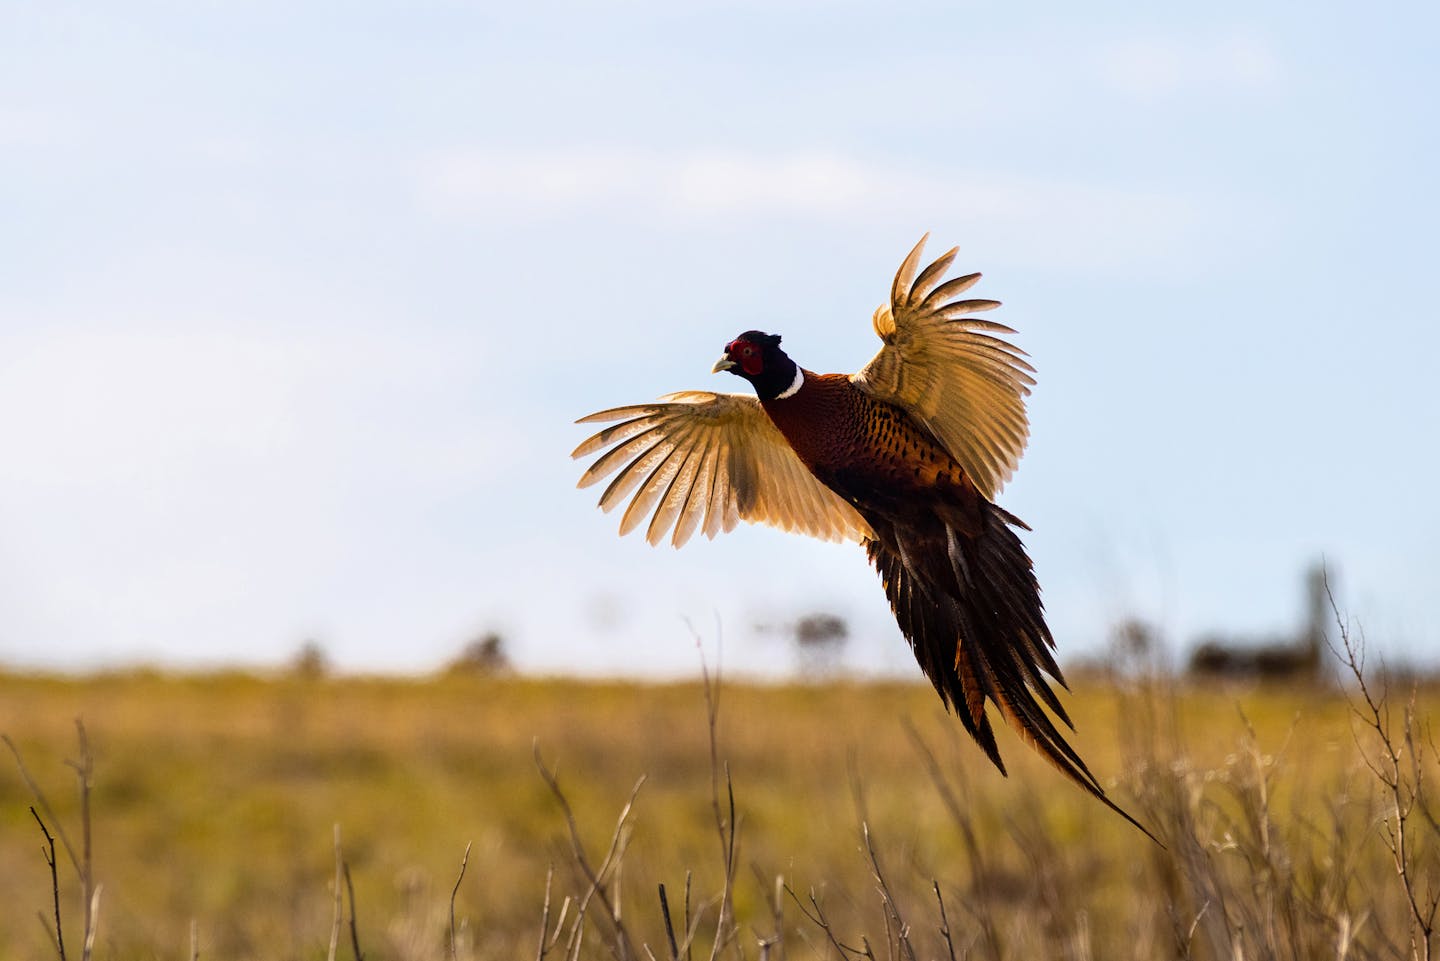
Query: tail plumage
x=965, y=596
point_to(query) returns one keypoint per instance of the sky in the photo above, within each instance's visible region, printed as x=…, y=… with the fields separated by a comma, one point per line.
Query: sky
x=299, y=302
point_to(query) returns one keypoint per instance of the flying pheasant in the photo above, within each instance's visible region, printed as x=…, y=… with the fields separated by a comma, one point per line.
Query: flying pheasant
x=905, y=457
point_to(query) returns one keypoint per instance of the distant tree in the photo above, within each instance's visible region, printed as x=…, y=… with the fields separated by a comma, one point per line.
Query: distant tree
x=485, y=655
x=310, y=661
x=1135, y=645
x=820, y=643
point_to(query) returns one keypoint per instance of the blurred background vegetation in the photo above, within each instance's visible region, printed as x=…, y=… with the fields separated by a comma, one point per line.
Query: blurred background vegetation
x=214, y=800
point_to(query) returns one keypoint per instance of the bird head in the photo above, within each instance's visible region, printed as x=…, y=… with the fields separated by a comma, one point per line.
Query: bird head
x=757, y=357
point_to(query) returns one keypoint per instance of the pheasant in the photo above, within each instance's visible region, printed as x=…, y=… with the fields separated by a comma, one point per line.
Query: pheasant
x=905, y=457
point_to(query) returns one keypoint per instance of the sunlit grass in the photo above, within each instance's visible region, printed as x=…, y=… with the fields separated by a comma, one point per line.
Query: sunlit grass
x=215, y=796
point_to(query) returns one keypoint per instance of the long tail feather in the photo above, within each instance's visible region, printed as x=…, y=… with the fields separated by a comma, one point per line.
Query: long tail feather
x=970, y=607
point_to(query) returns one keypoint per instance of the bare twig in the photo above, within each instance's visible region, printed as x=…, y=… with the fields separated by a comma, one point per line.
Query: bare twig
x=776, y=899
x=577, y=934
x=81, y=860
x=669, y=926
x=944, y=921
x=724, y=825
x=339, y=904
x=779, y=909
x=689, y=924
x=892, y=909
x=1404, y=787
x=544, y=945
x=817, y=918
x=548, y=940
x=456, y=890
x=980, y=902
x=57, y=936
x=692, y=928
x=354, y=934
x=92, y=913
x=901, y=932
x=624, y=946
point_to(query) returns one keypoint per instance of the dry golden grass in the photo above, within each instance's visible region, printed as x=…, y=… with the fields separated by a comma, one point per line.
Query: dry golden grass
x=215, y=797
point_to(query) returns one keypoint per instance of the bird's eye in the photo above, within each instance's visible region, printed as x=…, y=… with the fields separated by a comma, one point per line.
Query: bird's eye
x=747, y=352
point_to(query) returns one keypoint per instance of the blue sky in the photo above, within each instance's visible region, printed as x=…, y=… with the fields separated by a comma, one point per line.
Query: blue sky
x=298, y=302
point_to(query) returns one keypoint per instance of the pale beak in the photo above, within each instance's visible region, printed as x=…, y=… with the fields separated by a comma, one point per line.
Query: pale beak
x=724, y=363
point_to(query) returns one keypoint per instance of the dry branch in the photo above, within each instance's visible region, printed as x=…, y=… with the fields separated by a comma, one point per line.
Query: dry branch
x=453, y=892
x=57, y=936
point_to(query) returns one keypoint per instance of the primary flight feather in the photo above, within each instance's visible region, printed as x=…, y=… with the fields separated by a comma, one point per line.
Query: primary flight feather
x=905, y=457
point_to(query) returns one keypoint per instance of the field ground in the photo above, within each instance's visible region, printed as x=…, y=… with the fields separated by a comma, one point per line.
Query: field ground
x=215, y=798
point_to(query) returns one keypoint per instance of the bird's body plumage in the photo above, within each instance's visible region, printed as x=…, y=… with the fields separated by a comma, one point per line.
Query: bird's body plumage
x=869, y=452
x=905, y=457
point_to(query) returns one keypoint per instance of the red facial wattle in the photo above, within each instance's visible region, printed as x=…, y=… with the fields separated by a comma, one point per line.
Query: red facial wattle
x=747, y=355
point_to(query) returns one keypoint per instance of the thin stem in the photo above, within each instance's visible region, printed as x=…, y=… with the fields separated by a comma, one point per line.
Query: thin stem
x=456, y=890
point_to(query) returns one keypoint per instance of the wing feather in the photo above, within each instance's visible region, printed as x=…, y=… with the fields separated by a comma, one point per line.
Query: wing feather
x=671, y=489
x=697, y=461
x=929, y=277
x=692, y=512
x=948, y=368
x=951, y=288
x=624, y=453
x=630, y=476
x=656, y=479
x=906, y=274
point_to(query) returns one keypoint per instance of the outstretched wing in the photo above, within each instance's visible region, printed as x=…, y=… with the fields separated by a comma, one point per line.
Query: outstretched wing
x=701, y=461
x=964, y=385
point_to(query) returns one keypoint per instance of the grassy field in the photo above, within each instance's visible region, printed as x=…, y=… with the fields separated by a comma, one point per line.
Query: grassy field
x=215, y=799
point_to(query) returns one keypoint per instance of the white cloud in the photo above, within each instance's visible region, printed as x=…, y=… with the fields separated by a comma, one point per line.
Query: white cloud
x=475, y=181
x=1069, y=222
x=718, y=184
x=163, y=410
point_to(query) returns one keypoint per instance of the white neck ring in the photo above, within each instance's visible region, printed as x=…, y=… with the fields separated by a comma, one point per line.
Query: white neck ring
x=795, y=385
